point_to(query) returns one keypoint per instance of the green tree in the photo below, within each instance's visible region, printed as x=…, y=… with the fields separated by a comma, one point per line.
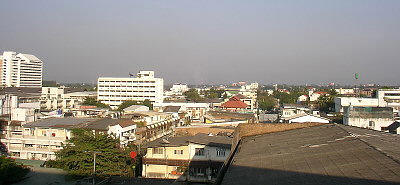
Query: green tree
x=148, y=103
x=193, y=95
x=325, y=103
x=265, y=101
x=93, y=102
x=127, y=104
x=10, y=171
x=213, y=93
x=76, y=157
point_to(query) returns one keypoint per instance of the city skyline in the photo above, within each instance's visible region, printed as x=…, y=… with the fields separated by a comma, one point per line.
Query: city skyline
x=292, y=42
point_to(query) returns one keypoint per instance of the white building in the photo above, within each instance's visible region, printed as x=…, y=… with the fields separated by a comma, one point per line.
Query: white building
x=20, y=70
x=389, y=98
x=385, y=98
x=308, y=118
x=54, y=98
x=342, y=102
x=342, y=91
x=179, y=89
x=195, y=111
x=376, y=118
x=113, y=91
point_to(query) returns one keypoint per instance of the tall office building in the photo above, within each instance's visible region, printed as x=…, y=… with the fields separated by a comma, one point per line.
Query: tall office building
x=114, y=91
x=20, y=70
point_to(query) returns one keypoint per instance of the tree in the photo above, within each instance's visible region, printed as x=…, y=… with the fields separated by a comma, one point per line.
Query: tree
x=193, y=95
x=93, y=102
x=326, y=103
x=287, y=98
x=265, y=101
x=148, y=103
x=76, y=157
x=127, y=104
x=10, y=171
x=213, y=93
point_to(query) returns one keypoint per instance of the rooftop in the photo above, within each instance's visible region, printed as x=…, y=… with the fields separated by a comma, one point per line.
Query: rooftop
x=67, y=122
x=220, y=141
x=325, y=154
x=370, y=112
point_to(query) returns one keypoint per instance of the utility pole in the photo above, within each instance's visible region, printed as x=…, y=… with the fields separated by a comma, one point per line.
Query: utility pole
x=94, y=166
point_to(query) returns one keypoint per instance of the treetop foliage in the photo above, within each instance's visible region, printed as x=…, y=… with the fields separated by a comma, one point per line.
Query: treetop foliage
x=93, y=102
x=76, y=157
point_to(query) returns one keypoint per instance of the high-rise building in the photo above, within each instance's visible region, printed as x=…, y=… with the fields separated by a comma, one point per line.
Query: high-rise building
x=114, y=91
x=20, y=70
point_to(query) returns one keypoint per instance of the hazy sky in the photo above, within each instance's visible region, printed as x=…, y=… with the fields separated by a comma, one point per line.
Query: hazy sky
x=199, y=41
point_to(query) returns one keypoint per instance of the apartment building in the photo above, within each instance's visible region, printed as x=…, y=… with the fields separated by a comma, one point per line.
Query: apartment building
x=113, y=91
x=153, y=125
x=192, y=158
x=20, y=70
x=389, y=98
x=195, y=111
x=41, y=139
x=54, y=98
x=384, y=98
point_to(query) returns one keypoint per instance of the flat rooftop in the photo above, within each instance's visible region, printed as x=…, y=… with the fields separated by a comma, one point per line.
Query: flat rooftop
x=325, y=154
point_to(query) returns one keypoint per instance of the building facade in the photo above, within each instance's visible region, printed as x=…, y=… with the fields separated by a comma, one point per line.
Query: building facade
x=192, y=158
x=20, y=70
x=114, y=91
x=376, y=118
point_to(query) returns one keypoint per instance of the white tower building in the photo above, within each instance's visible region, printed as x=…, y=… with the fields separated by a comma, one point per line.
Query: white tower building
x=113, y=91
x=20, y=70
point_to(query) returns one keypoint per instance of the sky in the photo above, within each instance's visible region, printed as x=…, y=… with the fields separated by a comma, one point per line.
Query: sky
x=209, y=42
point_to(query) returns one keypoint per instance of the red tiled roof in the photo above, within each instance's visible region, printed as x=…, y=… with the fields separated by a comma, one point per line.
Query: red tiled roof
x=234, y=104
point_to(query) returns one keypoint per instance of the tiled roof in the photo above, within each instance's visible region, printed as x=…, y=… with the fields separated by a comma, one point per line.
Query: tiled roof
x=326, y=154
x=234, y=104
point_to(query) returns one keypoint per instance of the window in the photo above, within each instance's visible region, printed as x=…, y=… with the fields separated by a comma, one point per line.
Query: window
x=197, y=171
x=371, y=123
x=178, y=152
x=158, y=151
x=199, y=152
x=220, y=152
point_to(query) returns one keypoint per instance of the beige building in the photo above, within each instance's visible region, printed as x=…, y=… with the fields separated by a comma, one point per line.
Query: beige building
x=41, y=139
x=192, y=158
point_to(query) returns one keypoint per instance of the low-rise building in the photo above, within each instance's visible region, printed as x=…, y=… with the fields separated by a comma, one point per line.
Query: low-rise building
x=308, y=118
x=192, y=158
x=289, y=111
x=376, y=118
x=341, y=103
x=195, y=111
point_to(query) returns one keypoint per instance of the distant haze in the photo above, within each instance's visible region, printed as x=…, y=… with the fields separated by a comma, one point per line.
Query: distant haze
x=274, y=41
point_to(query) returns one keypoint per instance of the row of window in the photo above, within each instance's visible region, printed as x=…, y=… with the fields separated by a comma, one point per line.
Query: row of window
x=131, y=86
x=125, y=96
x=221, y=152
x=106, y=81
x=126, y=91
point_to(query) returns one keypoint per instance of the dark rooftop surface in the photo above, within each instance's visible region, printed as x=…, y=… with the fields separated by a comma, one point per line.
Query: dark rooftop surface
x=59, y=122
x=326, y=154
x=370, y=112
x=172, y=109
